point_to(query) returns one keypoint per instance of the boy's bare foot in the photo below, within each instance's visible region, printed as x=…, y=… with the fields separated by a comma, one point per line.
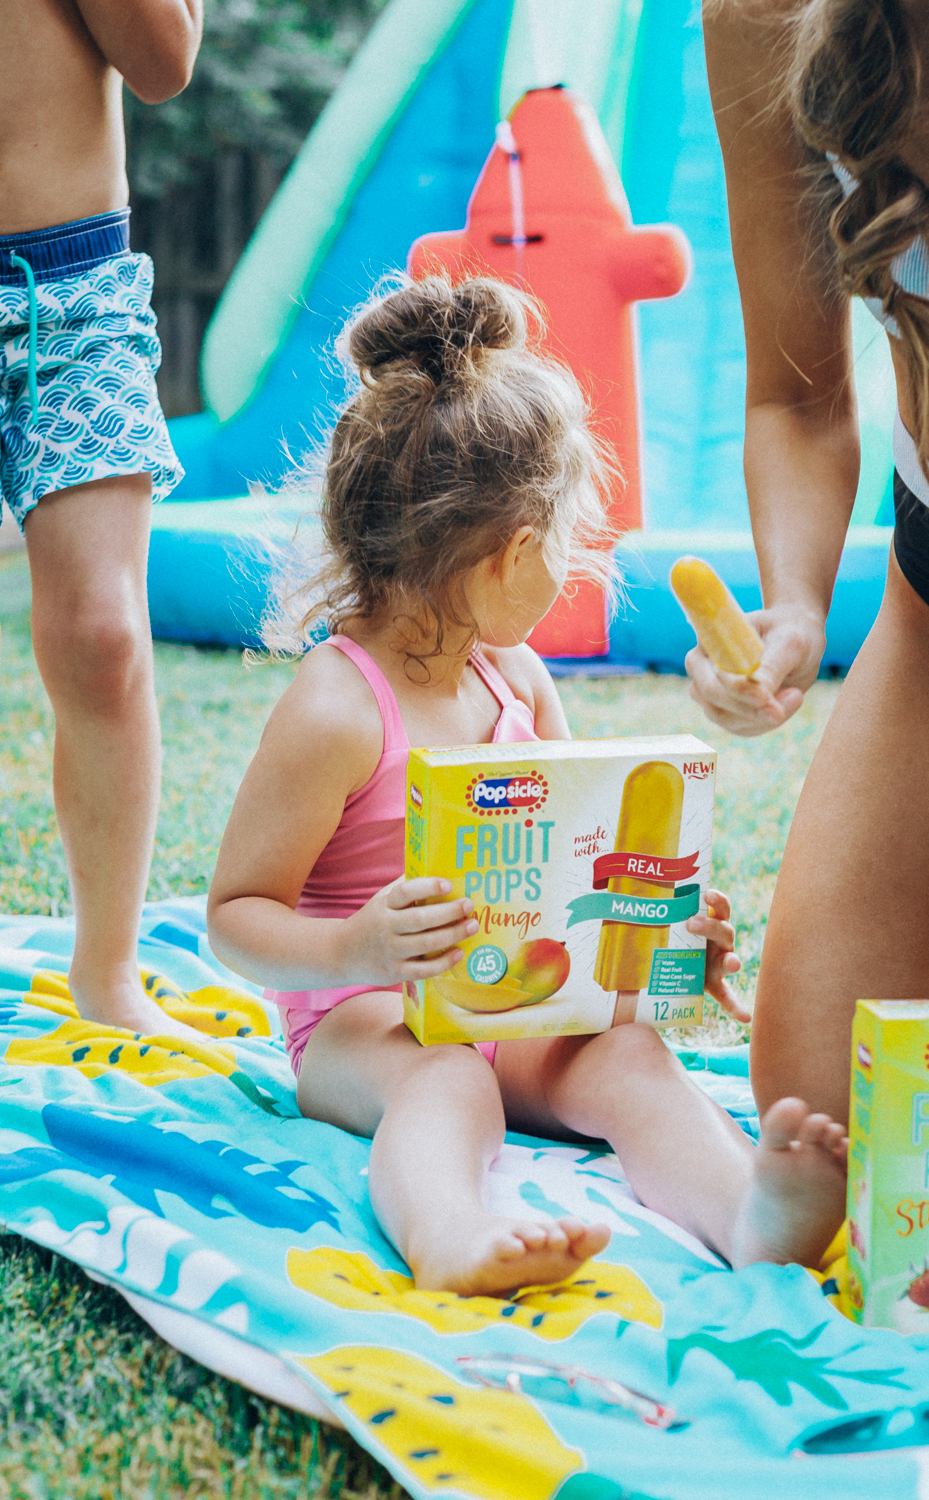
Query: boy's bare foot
x=129, y=1008
x=492, y=1256
x=796, y=1199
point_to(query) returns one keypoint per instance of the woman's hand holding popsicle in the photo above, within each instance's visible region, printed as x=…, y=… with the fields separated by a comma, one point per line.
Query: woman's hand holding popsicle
x=748, y=672
x=720, y=959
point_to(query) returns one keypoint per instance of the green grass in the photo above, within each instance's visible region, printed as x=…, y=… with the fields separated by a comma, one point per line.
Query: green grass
x=92, y=1404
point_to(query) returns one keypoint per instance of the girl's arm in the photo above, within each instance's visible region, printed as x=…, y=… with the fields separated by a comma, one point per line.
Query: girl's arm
x=322, y=742
x=801, y=438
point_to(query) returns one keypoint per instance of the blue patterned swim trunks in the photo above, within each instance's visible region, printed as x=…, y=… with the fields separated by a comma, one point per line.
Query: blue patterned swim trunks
x=78, y=355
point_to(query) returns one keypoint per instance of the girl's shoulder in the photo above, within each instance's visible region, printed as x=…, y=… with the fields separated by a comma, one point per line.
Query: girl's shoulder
x=526, y=674
x=330, y=711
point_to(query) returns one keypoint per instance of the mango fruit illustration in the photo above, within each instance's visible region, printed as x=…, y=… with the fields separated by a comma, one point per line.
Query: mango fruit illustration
x=458, y=989
x=541, y=968
x=350, y=1279
x=447, y=1434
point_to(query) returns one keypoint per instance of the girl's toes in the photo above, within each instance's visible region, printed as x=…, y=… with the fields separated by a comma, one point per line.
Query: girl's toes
x=540, y=1236
x=512, y=1246
x=588, y=1239
x=781, y=1125
x=573, y=1228
x=812, y=1131
x=597, y=1239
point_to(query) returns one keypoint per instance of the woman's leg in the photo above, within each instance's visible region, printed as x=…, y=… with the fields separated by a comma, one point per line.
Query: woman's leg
x=437, y=1123
x=682, y=1154
x=850, y=915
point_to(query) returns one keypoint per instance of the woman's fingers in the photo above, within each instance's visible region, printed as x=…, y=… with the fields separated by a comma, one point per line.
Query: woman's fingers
x=726, y=996
x=793, y=646
x=718, y=904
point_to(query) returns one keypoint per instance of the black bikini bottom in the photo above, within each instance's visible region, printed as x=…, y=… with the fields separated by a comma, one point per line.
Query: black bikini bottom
x=911, y=538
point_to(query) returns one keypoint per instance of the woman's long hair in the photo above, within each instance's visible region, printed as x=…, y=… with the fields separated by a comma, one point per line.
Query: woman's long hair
x=853, y=85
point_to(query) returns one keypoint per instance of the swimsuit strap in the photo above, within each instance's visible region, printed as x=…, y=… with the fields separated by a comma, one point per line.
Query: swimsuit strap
x=493, y=679
x=395, y=735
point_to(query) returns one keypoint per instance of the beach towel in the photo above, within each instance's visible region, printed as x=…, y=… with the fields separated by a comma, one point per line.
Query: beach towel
x=185, y=1177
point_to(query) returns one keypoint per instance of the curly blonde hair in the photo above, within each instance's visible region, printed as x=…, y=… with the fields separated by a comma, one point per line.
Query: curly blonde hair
x=853, y=84
x=458, y=433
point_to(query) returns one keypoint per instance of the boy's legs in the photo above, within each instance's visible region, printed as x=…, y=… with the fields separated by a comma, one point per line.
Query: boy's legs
x=437, y=1123
x=88, y=551
x=682, y=1154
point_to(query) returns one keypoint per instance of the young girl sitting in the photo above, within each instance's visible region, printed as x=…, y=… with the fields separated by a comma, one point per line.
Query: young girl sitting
x=461, y=485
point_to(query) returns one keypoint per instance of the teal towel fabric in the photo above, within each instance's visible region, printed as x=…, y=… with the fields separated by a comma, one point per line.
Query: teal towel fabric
x=187, y=1177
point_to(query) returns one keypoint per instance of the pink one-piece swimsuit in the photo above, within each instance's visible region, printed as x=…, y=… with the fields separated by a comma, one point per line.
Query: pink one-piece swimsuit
x=366, y=851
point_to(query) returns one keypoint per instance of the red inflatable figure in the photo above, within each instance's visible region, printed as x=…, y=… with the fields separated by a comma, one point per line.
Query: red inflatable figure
x=549, y=213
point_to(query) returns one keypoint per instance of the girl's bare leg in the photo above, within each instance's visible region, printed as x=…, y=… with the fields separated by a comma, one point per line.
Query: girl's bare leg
x=683, y=1155
x=88, y=549
x=437, y=1123
x=850, y=915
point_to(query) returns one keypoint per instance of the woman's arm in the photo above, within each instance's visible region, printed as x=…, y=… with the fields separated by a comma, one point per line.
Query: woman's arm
x=801, y=436
x=322, y=742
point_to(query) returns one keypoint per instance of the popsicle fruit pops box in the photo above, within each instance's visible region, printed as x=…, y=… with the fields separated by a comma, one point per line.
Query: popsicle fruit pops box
x=584, y=860
x=888, y=1166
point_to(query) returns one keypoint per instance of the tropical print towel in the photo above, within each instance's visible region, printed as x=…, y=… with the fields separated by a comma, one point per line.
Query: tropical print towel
x=186, y=1177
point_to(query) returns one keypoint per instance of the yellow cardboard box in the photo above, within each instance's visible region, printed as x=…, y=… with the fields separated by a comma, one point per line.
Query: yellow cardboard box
x=584, y=860
x=888, y=1166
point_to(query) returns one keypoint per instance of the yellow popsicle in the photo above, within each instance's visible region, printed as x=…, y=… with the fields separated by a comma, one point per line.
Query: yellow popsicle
x=649, y=823
x=723, y=630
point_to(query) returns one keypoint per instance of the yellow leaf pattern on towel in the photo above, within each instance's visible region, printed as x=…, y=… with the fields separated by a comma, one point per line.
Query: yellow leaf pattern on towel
x=352, y=1280
x=93, y=1050
x=216, y=1010
x=493, y=1445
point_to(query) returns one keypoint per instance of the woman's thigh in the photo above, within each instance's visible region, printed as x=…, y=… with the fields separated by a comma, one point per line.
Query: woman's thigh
x=850, y=915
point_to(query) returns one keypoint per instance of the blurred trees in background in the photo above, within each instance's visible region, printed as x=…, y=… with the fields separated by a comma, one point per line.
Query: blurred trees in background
x=204, y=166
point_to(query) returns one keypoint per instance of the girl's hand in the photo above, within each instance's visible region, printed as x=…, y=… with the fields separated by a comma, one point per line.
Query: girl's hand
x=720, y=959
x=387, y=940
x=794, y=641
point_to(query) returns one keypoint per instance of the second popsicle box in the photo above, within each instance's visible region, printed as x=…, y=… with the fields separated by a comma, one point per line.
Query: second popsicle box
x=584, y=860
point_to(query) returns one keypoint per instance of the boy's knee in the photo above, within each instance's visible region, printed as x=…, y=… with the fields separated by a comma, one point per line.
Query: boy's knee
x=94, y=654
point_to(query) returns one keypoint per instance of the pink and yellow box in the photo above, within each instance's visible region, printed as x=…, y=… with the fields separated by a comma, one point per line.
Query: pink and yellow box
x=888, y=1168
x=584, y=860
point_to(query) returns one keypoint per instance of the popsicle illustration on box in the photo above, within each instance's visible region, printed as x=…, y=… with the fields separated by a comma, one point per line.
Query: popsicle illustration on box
x=730, y=641
x=649, y=825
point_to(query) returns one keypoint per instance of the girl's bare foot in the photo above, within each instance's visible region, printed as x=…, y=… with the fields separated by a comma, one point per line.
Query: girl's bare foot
x=492, y=1256
x=796, y=1199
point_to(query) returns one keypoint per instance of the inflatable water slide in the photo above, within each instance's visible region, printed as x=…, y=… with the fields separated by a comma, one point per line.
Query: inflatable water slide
x=394, y=157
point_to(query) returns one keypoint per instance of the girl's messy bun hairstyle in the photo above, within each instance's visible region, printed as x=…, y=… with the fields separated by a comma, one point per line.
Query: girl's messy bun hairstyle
x=854, y=88
x=458, y=433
